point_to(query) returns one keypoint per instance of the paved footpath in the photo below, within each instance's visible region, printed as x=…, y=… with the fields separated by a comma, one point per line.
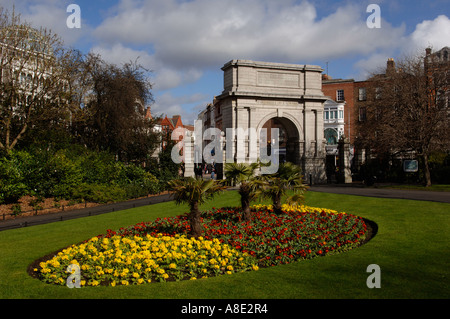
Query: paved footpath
x=85, y=212
x=433, y=196
x=443, y=197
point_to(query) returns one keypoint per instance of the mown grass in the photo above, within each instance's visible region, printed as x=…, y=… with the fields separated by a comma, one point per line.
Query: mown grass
x=411, y=248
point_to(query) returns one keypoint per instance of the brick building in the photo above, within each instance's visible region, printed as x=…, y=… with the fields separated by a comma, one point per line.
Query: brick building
x=356, y=96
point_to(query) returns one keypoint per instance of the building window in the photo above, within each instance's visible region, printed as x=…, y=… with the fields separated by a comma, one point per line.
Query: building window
x=362, y=96
x=326, y=115
x=339, y=95
x=362, y=114
x=341, y=114
x=331, y=136
x=378, y=92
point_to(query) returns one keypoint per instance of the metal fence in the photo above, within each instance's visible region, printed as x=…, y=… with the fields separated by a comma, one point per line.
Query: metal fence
x=27, y=221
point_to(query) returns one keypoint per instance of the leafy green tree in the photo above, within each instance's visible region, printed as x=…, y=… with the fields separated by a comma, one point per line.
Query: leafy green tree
x=287, y=178
x=243, y=174
x=194, y=192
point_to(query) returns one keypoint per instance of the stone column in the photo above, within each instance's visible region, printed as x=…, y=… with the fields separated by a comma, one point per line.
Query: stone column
x=189, y=155
x=345, y=174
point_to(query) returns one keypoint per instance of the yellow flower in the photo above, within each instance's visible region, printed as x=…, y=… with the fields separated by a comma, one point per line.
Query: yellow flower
x=254, y=267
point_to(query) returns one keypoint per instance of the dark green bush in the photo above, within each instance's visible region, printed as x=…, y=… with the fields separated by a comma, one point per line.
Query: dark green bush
x=77, y=174
x=99, y=193
x=12, y=182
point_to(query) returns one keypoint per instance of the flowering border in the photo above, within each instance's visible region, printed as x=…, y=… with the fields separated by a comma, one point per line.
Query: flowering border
x=161, y=250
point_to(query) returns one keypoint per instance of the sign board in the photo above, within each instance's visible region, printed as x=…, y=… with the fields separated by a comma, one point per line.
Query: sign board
x=410, y=166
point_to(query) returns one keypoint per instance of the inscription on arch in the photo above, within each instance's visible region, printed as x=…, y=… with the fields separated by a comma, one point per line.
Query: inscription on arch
x=278, y=79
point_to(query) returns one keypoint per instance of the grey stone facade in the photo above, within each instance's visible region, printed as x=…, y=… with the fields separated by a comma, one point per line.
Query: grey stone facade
x=256, y=92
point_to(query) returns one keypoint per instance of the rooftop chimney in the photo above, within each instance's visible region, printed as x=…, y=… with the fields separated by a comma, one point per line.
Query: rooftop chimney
x=390, y=66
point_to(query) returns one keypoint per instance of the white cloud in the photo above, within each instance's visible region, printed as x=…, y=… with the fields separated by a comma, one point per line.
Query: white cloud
x=208, y=33
x=168, y=104
x=49, y=14
x=434, y=33
x=373, y=64
x=163, y=77
x=119, y=54
x=168, y=78
x=181, y=40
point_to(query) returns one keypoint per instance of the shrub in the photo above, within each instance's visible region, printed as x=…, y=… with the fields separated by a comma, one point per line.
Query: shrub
x=99, y=167
x=137, y=182
x=99, y=193
x=68, y=173
x=12, y=183
x=16, y=209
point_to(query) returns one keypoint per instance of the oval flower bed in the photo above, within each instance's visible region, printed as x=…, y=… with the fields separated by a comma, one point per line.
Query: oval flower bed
x=160, y=250
x=143, y=259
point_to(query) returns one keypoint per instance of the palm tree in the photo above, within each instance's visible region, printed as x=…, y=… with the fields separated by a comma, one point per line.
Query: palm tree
x=243, y=174
x=194, y=192
x=275, y=186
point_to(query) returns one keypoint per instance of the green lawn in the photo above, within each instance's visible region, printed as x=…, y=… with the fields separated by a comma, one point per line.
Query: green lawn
x=411, y=247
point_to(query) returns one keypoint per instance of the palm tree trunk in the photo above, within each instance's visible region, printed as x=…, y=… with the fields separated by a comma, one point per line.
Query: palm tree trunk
x=194, y=218
x=276, y=201
x=245, y=203
x=244, y=191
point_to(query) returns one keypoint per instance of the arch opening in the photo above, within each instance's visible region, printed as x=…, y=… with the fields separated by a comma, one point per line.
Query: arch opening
x=288, y=147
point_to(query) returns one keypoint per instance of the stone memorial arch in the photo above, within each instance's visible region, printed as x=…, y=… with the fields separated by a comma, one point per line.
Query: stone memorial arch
x=277, y=95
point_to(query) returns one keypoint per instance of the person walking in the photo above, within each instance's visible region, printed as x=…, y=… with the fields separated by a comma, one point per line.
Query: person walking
x=213, y=171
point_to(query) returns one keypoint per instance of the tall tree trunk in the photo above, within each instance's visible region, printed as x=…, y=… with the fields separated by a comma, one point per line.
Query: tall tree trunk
x=194, y=218
x=426, y=170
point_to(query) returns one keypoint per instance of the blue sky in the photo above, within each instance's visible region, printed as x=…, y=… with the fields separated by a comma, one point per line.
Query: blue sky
x=185, y=43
